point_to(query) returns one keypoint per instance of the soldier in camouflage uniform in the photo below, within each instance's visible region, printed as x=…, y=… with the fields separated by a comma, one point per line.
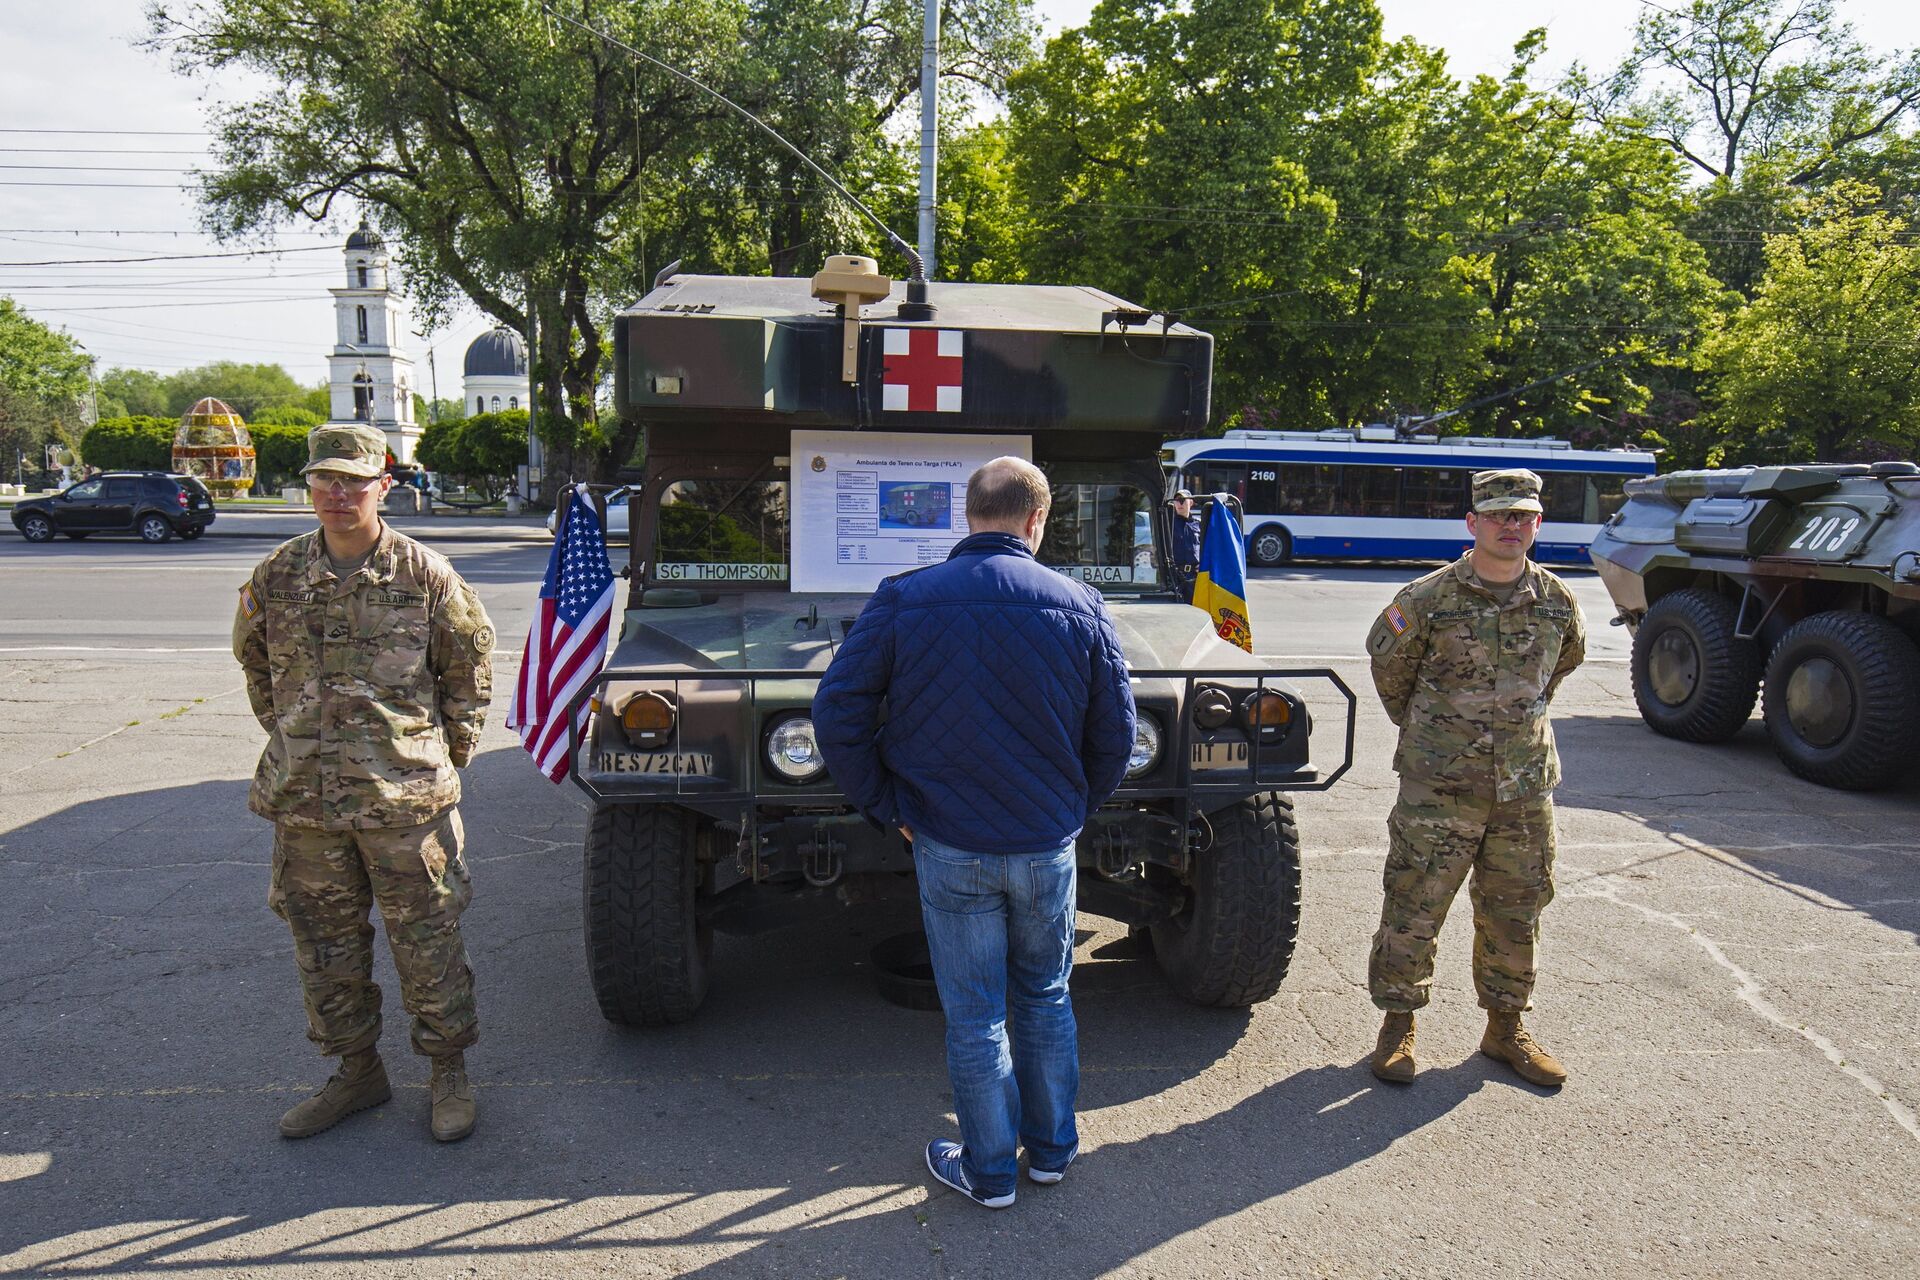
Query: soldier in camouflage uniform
x=1466, y=660
x=368, y=662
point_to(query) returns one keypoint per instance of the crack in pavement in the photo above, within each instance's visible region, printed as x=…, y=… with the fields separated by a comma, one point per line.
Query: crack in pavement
x=1749, y=990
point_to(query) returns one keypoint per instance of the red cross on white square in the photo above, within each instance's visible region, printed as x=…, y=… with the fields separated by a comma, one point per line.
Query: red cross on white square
x=922, y=372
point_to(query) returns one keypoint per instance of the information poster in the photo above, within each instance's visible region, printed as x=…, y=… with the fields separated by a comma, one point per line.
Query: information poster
x=870, y=504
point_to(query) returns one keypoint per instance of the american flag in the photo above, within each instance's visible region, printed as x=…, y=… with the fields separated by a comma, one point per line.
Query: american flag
x=567, y=644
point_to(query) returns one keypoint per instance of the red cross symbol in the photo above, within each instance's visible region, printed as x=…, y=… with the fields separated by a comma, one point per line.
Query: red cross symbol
x=922, y=371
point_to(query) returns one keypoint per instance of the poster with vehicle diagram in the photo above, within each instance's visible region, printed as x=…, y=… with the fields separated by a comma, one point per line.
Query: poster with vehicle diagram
x=869, y=504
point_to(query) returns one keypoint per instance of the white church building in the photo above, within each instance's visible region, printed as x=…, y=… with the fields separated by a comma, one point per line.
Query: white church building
x=496, y=372
x=369, y=373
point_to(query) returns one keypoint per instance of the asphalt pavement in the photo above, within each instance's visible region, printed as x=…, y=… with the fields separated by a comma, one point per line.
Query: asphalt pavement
x=1729, y=971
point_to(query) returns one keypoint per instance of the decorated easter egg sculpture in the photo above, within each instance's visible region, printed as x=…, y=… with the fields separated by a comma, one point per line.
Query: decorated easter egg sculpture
x=214, y=446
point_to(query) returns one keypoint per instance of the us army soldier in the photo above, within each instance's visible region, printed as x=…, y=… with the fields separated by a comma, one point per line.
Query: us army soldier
x=368, y=662
x=1466, y=660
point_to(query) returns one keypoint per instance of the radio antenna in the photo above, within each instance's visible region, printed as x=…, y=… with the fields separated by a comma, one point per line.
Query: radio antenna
x=912, y=254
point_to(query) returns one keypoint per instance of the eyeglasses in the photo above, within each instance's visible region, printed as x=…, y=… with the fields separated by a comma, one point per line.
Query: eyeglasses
x=351, y=484
x=1508, y=518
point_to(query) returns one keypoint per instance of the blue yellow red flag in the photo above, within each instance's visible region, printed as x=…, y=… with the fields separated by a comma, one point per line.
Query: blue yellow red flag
x=1221, y=588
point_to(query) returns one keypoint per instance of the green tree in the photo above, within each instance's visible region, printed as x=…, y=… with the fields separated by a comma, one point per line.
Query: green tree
x=43, y=377
x=246, y=388
x=280, y=448
x=1825, y=360
x=481, y=452
x=136, y=392
x=286, y=415
x=139, y=443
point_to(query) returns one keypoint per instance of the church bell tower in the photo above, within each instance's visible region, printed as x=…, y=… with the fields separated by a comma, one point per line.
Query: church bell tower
x=370, y=375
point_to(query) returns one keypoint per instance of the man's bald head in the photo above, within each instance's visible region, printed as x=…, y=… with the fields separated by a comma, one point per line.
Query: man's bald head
x=1009, y=495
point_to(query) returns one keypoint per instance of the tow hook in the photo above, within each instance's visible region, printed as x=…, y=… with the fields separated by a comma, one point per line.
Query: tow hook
x=821, y=863
x=1113, y=856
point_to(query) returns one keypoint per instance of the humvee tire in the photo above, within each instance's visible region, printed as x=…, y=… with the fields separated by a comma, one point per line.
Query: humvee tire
x=647, y=951
x=1843, y=700
x=1693, y=679
x=1232, y=944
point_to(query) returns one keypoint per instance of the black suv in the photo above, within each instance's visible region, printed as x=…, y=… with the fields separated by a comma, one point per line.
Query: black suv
x=152, y=504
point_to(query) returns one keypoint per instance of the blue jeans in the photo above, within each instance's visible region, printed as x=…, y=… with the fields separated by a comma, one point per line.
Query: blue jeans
x=1000, y=934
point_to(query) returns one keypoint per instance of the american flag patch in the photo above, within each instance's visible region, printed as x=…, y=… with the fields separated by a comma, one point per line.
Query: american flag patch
x=1396, y=619
x=248, y=605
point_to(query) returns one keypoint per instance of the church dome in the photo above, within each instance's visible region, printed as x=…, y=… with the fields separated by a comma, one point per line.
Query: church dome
x=498, y=353
x=365, y=237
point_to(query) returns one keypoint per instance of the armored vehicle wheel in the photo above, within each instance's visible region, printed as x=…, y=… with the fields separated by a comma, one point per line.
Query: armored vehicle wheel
x=647, y=951
x=1270, y=547
x=1232, y=944
x=35, y=527
x=1692, y=677
x=1843, y=700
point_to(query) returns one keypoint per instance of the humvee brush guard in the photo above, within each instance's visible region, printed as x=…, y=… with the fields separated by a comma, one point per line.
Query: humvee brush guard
x=712, y=808
x=1803, y=579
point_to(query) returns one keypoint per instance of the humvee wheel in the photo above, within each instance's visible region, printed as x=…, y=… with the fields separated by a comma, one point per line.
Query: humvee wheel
x=1843, y=700
x=1232, y=944
x=647, y=951
x=1692, y=677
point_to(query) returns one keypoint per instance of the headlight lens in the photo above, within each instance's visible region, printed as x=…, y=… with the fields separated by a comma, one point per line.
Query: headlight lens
x=647, y=719
x=1267, y=712
x=793, y=752
x=1146, y=745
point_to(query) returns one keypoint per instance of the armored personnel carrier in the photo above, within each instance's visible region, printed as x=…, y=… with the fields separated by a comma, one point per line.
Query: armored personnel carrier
x=1804, y=580
x=790, y=426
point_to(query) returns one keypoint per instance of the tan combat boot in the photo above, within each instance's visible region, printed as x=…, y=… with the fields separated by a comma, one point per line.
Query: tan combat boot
x=1510, y=1042
x=453, y=1109
x=361, y=1082
x=1393, y=1055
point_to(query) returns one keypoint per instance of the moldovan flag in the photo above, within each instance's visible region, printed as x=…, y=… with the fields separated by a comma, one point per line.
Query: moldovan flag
x=1221, y=588
x=567, y=644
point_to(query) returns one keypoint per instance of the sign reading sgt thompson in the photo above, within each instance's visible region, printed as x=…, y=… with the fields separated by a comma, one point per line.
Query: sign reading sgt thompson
x=781, y=486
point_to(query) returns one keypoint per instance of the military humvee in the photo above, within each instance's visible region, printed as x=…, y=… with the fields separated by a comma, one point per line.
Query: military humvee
x=774, y=413
x=1804, y=579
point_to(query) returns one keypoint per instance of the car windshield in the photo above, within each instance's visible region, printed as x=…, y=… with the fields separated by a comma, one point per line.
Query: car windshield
x=738, y=531
x=722, y=531
x=1101, y=534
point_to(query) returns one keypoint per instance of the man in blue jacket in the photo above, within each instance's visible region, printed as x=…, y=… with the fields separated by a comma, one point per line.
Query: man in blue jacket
x=1185, y=549
x=1009, y=719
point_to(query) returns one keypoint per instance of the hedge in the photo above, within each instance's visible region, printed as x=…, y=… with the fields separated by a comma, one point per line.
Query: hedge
x=134, y=443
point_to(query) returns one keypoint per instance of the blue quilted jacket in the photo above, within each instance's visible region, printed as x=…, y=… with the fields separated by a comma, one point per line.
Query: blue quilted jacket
x=1008, y=713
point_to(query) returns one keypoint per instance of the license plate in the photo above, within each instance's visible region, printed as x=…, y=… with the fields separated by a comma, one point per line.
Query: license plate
x=1220, y=755
x=671, y=764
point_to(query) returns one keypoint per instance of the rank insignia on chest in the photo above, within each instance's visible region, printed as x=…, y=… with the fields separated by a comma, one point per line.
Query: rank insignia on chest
x=1396, y=619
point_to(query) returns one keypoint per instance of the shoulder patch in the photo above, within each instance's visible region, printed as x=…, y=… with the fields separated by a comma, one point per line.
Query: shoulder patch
x=249, y=603
x=1396, y=619
x=483, y=642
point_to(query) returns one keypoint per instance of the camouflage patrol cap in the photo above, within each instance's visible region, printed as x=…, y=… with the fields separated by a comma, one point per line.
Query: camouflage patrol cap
x=351, y=449
x=1513, y=490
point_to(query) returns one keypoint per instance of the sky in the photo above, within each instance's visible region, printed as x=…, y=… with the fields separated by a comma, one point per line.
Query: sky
x=96, y=136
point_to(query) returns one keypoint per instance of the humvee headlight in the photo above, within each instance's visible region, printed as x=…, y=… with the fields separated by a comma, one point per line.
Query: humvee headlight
x=647, y=719
x=1267, y=713
x=1212, y=708
x=1146, y=745
x=793, y=752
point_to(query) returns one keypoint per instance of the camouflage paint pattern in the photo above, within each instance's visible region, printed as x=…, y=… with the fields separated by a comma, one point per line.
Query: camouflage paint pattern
x=324, y=884
x=1468, y=679
x=371, y=690
x=1435, y=838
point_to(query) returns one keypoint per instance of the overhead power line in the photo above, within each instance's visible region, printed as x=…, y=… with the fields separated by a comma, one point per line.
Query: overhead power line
x=165, y=257
x=141, y=133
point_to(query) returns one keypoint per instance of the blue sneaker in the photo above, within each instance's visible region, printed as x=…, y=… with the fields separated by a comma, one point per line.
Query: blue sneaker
x=1047, y=1177
x=944, y=1163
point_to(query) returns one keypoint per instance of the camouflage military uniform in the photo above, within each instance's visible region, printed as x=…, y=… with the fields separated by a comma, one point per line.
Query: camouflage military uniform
x=1468, y=680
x=371, y=690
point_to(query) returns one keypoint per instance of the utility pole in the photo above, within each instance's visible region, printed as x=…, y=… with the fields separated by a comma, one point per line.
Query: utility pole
x=929, y=126
x=533, y=400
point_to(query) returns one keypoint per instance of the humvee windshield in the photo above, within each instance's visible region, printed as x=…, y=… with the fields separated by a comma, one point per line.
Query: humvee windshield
x=737, y=532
